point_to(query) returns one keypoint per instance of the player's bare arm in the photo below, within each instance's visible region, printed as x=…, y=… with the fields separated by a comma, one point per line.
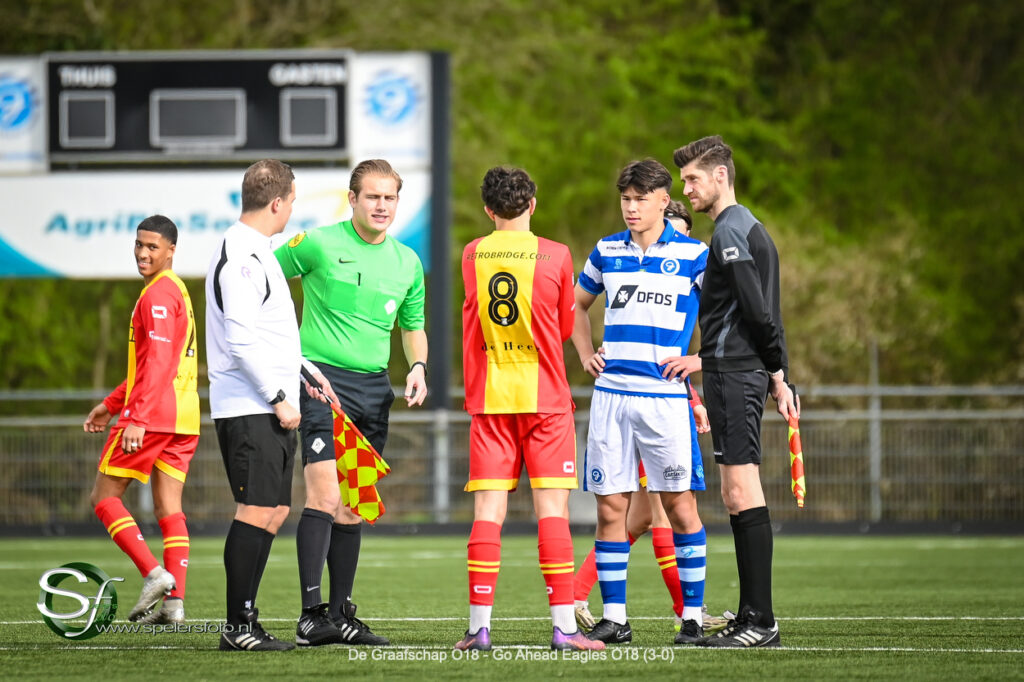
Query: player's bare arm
x=414, y=342
x=324, y=393
x=786, y=402
x=680, y=366
x=97, y=420
x=592, y=360
x=288, y=415
x=700, y=418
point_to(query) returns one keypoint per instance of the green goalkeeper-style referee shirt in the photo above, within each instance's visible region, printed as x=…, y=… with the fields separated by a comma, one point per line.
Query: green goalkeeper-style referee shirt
x=353, y=293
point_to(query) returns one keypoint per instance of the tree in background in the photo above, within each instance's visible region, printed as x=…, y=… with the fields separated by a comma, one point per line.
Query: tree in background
x=878, y=142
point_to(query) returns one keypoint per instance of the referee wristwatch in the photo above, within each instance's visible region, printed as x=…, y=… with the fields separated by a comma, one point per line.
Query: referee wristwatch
x=277, y=398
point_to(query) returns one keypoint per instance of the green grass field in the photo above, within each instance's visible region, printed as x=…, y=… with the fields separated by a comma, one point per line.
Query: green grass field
x=849, y=608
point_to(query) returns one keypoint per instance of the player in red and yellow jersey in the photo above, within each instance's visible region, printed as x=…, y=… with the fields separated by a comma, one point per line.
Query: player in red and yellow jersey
x=517, y=314
x=158, y=427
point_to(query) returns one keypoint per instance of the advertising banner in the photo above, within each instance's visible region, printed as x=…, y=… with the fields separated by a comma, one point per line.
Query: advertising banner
x=22, y=116
x=81, y=224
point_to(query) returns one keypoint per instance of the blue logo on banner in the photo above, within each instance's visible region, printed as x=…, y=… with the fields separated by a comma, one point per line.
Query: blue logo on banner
x=392, y=98
x=17, y=104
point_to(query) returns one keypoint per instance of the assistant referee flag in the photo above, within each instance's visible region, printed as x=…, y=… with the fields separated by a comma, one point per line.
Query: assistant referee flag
x=360, y=467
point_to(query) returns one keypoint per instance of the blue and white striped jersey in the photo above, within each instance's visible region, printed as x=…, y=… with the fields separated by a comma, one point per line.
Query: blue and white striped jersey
x=651, y=303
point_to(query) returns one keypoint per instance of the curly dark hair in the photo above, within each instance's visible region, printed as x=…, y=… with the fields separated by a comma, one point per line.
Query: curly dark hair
x=507, y=191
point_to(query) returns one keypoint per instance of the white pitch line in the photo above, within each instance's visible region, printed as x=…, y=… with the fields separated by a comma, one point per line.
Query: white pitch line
x=868, y=649
x=385, y=619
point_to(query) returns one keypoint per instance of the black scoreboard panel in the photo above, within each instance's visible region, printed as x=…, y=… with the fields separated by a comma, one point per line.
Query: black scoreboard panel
x=204, y=107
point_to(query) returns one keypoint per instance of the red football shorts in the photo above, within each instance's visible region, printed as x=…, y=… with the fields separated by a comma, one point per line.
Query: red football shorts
x=168, y=452
x=499, y=445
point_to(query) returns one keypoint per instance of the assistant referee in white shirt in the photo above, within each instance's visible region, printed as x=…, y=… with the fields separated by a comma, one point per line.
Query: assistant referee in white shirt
x=254, y=360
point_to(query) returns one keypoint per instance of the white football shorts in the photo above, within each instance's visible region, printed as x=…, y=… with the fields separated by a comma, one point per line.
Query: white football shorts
x=625, y=429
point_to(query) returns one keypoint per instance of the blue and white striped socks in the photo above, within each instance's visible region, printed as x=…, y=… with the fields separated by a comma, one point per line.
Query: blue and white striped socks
x=691, y=561
x=612, y=564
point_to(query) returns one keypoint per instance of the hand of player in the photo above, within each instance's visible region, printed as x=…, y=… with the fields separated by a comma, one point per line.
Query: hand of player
x=681, y=366
x=289, y=416
x=415, y=386
x=700, y=418
x=595, y=363
x=97, y=420
x=131, y=439
x=328, y=396
x=786, y=402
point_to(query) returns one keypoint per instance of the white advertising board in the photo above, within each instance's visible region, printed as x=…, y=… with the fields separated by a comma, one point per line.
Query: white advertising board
x=22, y=116
x=82, y=224
x=390, y=108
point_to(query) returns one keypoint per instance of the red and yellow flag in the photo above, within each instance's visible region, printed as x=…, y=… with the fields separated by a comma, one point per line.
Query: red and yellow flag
x=360, y=466
x=796, y=462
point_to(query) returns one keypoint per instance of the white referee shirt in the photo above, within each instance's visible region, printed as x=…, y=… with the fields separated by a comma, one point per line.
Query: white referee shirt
x=651, y=302
x=252, y=338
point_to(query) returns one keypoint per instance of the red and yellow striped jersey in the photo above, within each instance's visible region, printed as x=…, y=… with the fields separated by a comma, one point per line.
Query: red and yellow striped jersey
x=517, y=314
x=160, y=393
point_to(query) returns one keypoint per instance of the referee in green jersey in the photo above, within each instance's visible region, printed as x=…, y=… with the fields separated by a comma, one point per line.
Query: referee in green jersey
x=357, y=282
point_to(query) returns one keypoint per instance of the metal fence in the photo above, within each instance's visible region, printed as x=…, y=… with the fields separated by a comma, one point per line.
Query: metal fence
x=872, y=462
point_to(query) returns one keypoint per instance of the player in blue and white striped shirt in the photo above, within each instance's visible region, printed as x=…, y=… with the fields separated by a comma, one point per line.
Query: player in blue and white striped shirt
x=649, y=274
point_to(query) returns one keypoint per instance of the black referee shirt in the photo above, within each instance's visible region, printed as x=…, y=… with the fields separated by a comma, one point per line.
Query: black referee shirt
x=740, y=315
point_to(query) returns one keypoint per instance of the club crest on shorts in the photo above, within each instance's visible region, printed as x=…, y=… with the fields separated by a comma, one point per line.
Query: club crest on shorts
x=596, y=475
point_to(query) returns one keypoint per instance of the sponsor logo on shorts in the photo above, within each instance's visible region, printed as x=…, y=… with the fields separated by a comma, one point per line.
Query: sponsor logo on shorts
x=317, y=445
x=675, y=473
x=569, y=467
x=596, y=475
x=698, y=471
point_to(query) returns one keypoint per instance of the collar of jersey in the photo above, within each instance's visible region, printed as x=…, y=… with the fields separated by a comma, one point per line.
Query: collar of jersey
x=666, y=235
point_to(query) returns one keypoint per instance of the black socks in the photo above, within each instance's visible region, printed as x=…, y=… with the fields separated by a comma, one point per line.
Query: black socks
x=342, y=560
x=312, y=539
x=752, y=535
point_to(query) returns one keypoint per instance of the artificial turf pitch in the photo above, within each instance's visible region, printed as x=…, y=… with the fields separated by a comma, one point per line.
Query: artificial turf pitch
x=849, y=607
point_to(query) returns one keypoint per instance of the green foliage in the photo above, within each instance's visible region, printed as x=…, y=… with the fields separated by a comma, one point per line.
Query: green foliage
x=879, y=143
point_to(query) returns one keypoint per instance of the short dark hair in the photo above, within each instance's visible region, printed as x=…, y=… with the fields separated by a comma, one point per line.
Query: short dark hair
x=676, y=210
x=507, y=191
x=646, y=176
x=709, y=152
x=265, y=181
x=378, y=167
x=162, y=225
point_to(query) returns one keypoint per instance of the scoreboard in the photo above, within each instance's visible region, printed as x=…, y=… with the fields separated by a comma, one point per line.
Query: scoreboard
x=197, y=107
x=93, y=142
